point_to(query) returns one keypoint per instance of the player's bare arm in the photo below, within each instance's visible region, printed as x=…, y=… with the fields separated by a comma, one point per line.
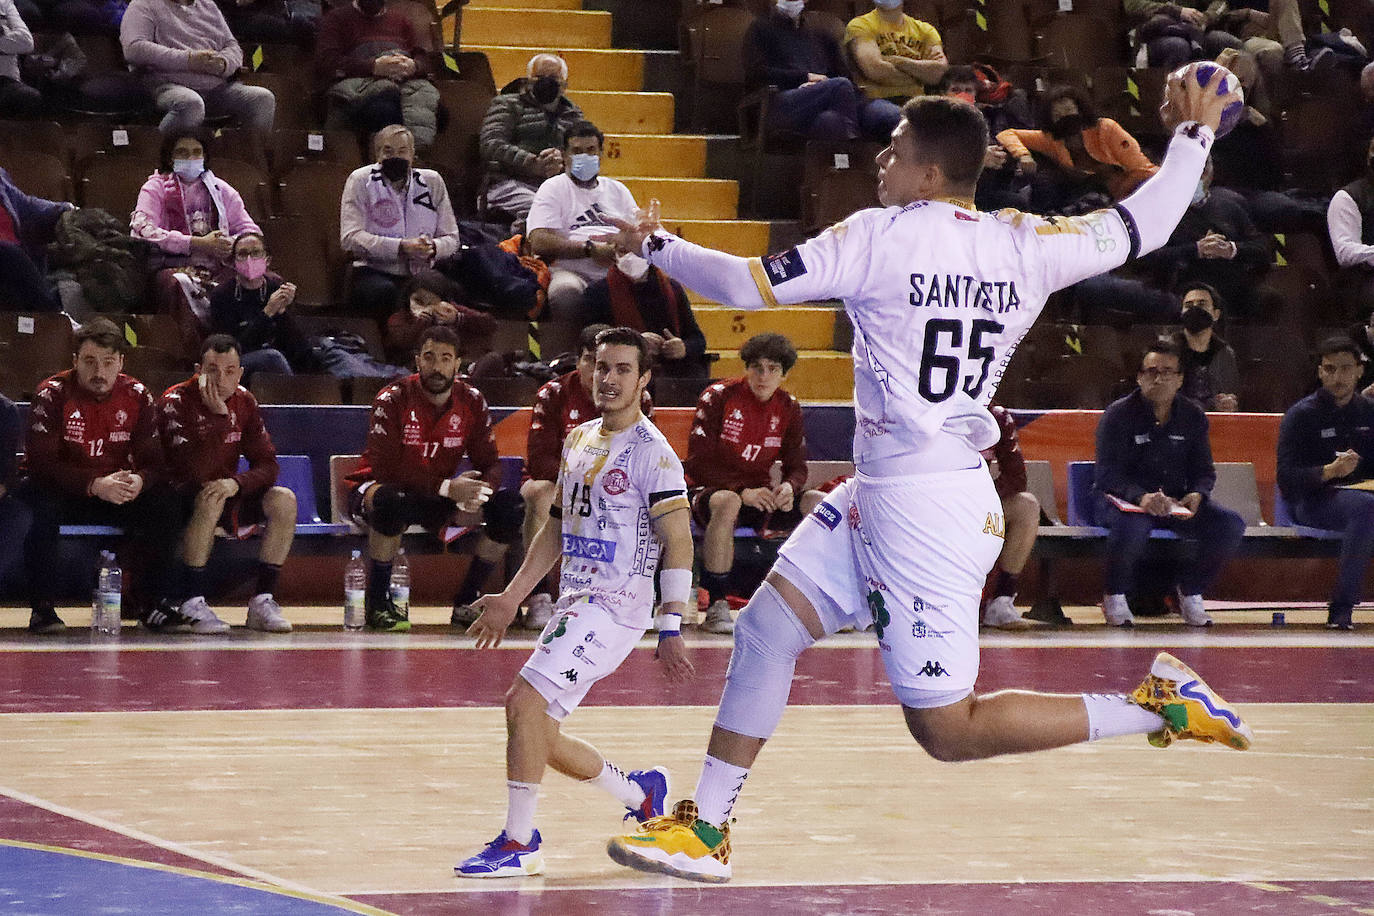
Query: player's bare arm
x=674, y=531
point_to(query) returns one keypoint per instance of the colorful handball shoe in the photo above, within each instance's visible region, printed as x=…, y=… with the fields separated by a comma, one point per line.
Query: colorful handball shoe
x=679, y=844
x=1190, y=708
x=503, y=858
x=656, y=786
x=384, y=617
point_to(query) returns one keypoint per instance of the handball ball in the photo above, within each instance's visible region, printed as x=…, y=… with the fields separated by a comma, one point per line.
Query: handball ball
x=1228, y=85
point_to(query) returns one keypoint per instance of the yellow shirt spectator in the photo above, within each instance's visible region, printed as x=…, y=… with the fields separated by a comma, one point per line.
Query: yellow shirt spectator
x=895, y=60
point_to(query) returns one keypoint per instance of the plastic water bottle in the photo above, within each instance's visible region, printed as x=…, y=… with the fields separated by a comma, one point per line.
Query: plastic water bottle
x=400, y=584
x=355, y=589
x=106, y=605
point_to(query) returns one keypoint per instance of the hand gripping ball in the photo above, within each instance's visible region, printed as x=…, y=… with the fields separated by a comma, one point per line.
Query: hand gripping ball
x=1228, y=85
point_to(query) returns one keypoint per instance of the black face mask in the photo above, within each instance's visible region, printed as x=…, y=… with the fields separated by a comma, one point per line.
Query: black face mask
x=545, y=90
x=1067, y=126
x=372, y=8
x=1196, y=320
x=395, y=168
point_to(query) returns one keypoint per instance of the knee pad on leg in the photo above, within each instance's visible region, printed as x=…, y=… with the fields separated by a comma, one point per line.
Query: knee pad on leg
x=768, y=639
x=504, y=516
x=387, y=516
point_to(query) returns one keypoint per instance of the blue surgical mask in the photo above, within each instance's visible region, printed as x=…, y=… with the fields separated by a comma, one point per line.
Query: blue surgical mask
x=1199, y=193
x=791, y=8
x=888, y=4
x=188, y=169
x=585, y=166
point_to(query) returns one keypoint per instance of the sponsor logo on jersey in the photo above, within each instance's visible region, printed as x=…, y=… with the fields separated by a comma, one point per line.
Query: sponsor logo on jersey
x=453, y=441
x=772, y=423
x=783, y=266
x=588, y=548
x=615, y=482
x=827, y=515
x=993, y=525
x=122, y=417
x=772, y=441
x=120, y=436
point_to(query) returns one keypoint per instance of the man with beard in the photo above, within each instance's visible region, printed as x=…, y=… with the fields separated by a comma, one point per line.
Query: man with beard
x=619, y=516
x=422, y=426
x=1091, y=156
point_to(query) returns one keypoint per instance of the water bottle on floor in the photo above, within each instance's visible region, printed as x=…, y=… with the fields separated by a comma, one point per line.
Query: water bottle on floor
x=355, y=590
x=400, y=584
x=106, y=605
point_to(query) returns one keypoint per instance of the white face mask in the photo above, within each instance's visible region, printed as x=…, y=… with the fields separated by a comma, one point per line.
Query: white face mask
x=632, y=265
x=888, y=4
x=791, y=8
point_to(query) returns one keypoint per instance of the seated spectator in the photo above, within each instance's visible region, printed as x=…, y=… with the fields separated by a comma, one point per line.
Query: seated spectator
x=560, y=405
x=1172, y=34
x=569, y=212
x=432, y=299
x=206, y=424
x=1362, y=334
x=374, y=66
x=272, y=20
x=15, y=517
x=394, y=219
x=1326, y=443
x=523, y=132
x=188, y=59
x=26, y=226
x=741, y=427
x=193, y=218
x=1175, y=33
x=1090, y=160
x=1021, y=523
x=815, y=96
x=17, y=100
x=635, y=294
x=999, y=185
x=1154, y=468
x=422, y=427
x=1350, y=222
x=1211, y=376
x=252, y=308
x=93, y=458
x=898, y=57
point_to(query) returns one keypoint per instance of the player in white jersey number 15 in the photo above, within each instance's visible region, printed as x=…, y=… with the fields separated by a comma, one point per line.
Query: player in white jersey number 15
x=620, y=514
x=939, y=295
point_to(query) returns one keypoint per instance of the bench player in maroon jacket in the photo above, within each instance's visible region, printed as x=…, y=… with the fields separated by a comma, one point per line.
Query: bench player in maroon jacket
x=93, y=458
x=422, y=426
x=206, y=423
x=1021, y=519
x=741, y=427
x=559, y=406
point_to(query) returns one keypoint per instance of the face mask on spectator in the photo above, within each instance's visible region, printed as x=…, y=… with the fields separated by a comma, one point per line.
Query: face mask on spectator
x=188, y=169
x=1067, y=126
x=545, y=90
x=1196, y=320
x=632, y=266
x=791, y=8
x=888, y=4
x=251, y=268
x=585, y=166
x=1199, y=193
x=964, y=97
x=395, y=168
x=371, y=8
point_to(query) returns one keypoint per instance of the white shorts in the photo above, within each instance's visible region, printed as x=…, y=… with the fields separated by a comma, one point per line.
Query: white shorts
x=580, y=645
x=818, y=559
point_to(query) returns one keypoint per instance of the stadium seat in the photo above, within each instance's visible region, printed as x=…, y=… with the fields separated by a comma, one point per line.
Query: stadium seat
x=32, y=347
x=678, y=392
x=456, y=154
x=276, y=388
x=290, y=146
x=112, y=182
x=364, y=390
x=249, y=179
x=1040, y=484
x=1081, y=41
x=140, y=360
x=295, y=474
x=158, y=331
x=713, y=42
x=517, y=391
x=39, y=174
x=87, y=138
x=19, y=139
x=301, y=254
x=297, y=104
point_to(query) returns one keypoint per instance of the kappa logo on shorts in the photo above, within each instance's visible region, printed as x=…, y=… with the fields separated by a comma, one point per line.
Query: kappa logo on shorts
x=783, y=266
x=827, y=515
x=571, y=675
x=934, y=669
x=588, y=548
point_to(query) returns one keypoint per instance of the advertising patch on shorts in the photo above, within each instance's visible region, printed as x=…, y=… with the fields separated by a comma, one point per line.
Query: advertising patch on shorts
x=588, y=548
x=783, y=266
x=827, y=515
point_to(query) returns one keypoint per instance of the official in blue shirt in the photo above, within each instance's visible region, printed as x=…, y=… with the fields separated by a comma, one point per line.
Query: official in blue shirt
x=1326, y=442
x=1153, y=454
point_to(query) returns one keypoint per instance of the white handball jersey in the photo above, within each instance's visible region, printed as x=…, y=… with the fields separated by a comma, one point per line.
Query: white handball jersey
x=611, y=487
x=940, y=295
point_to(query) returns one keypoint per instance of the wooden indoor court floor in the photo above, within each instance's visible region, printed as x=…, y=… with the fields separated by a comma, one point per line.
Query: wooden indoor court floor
x=325, y=772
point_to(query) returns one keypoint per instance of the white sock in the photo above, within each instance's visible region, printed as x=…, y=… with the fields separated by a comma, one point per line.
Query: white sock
x=524, y=796
x=1113, y=714
x=717, y=789
x=614, y=781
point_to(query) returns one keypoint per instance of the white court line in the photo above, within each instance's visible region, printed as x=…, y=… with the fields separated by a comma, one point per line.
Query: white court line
x=169, y=845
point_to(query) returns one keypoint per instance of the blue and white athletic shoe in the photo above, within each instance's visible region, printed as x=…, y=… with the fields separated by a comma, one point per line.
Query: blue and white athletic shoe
x=655, y=785
x=503, y=858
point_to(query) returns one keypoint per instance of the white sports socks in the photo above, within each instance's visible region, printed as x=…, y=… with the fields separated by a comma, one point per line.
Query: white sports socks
x=717, y=789
x=614, y=781
x=523, y=798
x=1113, y=714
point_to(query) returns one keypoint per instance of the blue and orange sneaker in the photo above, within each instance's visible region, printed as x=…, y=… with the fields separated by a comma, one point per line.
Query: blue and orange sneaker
x=1190, y=708
x=655, y=785
x=503, y=858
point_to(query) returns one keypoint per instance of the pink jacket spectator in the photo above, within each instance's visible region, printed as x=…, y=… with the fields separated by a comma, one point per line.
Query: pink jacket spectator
x=161, y=216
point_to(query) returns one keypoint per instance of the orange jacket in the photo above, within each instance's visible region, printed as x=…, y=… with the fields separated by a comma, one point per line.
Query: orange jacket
x=1107, y=142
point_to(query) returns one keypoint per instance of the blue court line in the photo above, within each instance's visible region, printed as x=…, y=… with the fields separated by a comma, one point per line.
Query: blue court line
x=42, y=880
